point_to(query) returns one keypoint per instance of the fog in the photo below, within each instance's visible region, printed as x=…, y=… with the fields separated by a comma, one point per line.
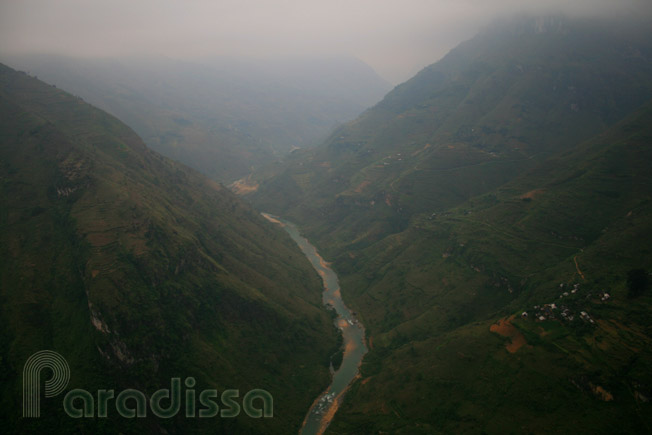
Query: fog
x=397, y=38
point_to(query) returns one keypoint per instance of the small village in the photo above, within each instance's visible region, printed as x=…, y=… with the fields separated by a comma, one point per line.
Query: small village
x=565, y=309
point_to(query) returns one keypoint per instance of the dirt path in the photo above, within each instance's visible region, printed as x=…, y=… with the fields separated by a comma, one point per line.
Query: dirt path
x=577, y=266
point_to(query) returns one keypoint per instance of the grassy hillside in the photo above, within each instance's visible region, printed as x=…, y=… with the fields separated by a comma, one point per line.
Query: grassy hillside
x=490, y=184
x=221, y=116
x=137, y=269
x=494, y=107
x=443, y=303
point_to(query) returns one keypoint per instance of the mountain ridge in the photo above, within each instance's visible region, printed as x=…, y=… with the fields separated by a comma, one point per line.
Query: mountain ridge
x=138, y=269
x=499, y=256
x=509, y=177
x=221, y=115
x=459, y=115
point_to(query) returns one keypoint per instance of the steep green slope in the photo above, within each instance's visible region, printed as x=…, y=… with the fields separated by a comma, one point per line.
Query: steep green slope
x=491, y=183
x=221, y=116
x=137, y=269
x=432, y=297
x=492, y=108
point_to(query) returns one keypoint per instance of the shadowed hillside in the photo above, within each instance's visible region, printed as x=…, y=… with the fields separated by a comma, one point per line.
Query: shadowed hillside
x=494, y=107
x=443, y=301
x=138, y=269
x=510, y=177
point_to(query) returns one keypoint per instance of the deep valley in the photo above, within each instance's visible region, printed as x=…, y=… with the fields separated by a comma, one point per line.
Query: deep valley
x=481, y=262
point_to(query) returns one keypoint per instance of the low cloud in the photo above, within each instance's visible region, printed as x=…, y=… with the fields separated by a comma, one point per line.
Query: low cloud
x=396, y=37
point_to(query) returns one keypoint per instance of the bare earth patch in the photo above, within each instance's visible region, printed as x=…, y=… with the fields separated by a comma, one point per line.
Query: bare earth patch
x=602, y=394
x=272, y=219
x=360, y=187
x=532, y=193
x=577, y=266
x=505, y=328
x=243, y=186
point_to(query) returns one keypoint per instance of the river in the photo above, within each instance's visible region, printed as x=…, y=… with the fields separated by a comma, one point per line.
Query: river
x=326, y=404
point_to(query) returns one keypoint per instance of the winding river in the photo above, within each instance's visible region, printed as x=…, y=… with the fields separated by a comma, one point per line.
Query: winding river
x=325, y=406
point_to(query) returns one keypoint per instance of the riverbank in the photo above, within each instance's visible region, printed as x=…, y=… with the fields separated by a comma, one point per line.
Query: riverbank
x=324, y=408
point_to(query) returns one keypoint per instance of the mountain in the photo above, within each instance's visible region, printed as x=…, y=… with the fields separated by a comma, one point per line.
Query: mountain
x=137, y=270
x=510, y=177
x=220, y=115
x=492, y=108
x=443, y=301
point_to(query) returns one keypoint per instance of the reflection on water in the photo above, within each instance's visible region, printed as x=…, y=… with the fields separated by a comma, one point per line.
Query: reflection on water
x=325, y=406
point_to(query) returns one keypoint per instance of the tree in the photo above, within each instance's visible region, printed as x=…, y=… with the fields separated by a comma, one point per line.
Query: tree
x=637, y=282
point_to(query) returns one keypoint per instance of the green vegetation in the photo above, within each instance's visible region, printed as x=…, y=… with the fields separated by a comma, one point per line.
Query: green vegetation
x=488, y=185
x=220, y=116
x=137, y=269
x=430, y=318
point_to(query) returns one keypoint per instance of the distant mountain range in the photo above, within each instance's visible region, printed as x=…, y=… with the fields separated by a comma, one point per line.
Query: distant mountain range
x=137, y=269
x=222, y=115
x=483, y=219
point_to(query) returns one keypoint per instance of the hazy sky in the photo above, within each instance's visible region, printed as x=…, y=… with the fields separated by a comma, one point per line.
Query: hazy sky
x=395, y=37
